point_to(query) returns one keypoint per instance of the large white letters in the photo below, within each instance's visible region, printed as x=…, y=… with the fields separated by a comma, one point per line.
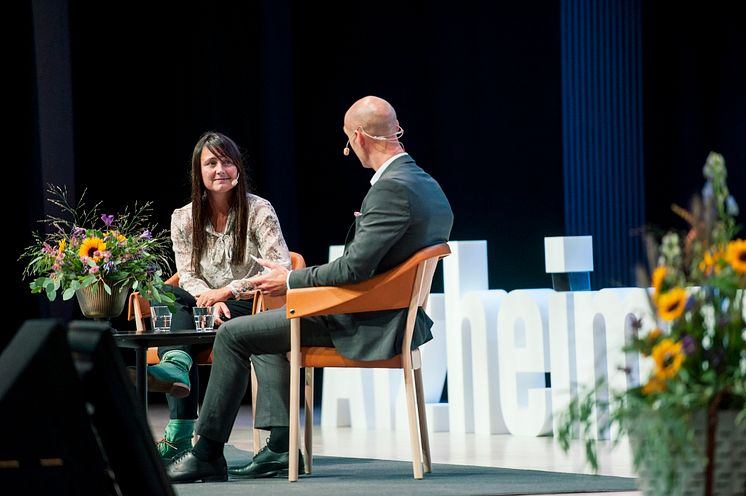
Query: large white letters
x=498, y=348
x=480, y=317
x=464, y=270
x=523, y=359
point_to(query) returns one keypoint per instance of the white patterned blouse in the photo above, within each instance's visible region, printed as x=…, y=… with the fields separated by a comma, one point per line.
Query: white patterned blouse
x=264, y=240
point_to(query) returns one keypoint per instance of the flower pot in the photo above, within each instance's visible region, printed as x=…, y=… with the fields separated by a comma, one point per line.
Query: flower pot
x=729, y=469
x=96, y=303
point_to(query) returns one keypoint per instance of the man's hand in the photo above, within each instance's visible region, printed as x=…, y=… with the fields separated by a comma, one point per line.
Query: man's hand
x=272, y=282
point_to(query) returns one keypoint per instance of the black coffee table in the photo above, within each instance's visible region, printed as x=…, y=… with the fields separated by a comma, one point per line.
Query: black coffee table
x=141, y=341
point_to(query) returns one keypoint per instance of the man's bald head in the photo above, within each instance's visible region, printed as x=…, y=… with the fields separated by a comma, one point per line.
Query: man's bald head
x=374, y=115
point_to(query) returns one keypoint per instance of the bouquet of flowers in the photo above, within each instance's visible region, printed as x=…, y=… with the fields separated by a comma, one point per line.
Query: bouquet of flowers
x=696, y=348
x=82, y=247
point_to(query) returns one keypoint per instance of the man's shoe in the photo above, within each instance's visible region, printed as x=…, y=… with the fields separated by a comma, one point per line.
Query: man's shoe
x=266, y=463
x=188, y=468
x=171, y=376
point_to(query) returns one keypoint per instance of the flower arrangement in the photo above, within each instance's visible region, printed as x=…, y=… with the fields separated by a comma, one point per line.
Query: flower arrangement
x=695, y=349
x=122, y=252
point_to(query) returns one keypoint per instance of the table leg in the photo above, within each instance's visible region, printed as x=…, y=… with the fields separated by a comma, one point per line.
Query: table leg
x=141, y=375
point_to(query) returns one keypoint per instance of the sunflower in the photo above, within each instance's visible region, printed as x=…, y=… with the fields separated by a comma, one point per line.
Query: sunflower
x=671, y=304
x=90, y=246
x=736, y=255
x=659, y=274
x=115, y=234
x=668, y=356
x=709, y=263
x=651, y=339
x=653, y=386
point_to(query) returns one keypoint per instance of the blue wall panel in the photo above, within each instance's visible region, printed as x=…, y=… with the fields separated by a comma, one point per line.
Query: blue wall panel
x=602, y=133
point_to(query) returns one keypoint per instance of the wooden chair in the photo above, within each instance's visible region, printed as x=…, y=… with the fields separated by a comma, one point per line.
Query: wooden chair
x=138, y=309
x=405, y=286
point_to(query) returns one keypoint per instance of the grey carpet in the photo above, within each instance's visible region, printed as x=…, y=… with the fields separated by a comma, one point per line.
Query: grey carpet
x=358, y=477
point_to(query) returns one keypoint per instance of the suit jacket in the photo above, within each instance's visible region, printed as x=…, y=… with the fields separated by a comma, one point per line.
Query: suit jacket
x=403, y=212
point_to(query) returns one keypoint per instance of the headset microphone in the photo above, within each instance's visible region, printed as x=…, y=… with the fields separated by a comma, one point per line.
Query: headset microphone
x=235, y=181
x=346, y=150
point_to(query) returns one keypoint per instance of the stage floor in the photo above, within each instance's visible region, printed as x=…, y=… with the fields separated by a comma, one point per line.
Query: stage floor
x=462, y=449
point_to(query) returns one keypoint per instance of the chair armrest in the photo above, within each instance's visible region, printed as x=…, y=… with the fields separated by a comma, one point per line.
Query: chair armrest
x=137, y=309
x=329, y=300
x=387, y=291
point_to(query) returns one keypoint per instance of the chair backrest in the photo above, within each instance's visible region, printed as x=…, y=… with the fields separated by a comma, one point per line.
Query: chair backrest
x=263, y=302
x=138, y=307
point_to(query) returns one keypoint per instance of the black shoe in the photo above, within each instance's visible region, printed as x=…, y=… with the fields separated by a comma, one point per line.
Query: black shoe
x=266, y=463
x=188, y=468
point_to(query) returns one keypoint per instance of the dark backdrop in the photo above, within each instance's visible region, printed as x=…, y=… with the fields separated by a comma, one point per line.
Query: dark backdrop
x=695, y=100
x=476, y=86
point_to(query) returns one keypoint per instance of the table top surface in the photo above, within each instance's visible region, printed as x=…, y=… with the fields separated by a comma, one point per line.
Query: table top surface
x=135, y=339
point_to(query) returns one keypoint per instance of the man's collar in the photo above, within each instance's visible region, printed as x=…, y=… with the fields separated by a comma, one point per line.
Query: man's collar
x=383, y=167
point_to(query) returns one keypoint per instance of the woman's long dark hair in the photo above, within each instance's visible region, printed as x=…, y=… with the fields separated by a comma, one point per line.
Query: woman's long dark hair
x=223, y=147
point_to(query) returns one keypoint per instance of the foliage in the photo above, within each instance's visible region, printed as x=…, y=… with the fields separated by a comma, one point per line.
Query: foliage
x=122, y=251
x=696, y=348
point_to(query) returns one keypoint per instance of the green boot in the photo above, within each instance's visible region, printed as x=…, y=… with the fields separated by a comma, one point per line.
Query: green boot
x=171, y=376
x=176, y=438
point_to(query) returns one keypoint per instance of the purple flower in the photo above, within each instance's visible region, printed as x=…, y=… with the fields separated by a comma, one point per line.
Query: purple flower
x=78, y=232
x=689, y=344
x=146, y=234
x=690, y=302
x=108, y=219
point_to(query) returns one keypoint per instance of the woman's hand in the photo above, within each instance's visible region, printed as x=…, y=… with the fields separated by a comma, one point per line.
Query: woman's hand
x=213, y=296
x=221, y=313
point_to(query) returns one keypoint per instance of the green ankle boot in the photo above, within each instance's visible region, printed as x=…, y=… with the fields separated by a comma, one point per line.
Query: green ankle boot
x=171, y=376
x=177, y=438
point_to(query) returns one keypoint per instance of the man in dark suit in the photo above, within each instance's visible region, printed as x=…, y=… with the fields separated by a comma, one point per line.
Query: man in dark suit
x=404, y=211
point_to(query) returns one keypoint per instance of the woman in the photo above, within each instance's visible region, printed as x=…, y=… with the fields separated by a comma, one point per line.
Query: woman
x=214, y=239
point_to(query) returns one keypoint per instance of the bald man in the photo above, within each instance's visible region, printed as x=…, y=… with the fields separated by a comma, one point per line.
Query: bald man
x=404, y=211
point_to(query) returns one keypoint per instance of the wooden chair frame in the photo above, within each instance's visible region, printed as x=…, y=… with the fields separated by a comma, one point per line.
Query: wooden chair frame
x=405, y=286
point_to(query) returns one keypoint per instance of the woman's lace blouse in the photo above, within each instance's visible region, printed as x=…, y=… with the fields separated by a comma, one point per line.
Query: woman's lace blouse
x=264, y=240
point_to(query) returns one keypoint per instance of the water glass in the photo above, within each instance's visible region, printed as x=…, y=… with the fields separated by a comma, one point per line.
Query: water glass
x=161, y=318
x=203, y=318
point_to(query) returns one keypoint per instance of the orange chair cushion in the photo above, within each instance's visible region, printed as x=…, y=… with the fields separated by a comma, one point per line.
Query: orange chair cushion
x=322, y=356
x=204, y=357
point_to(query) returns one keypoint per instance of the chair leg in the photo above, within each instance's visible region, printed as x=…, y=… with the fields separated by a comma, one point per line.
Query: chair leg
x=294, y=398
x=414, y=437
x=424, y=434
x=308, y=420
x=257, y=433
